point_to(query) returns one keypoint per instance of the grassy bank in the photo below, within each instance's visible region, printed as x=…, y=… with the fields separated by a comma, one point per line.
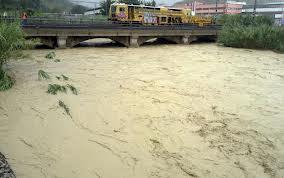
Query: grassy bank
x=11, y=41
x=243, y=31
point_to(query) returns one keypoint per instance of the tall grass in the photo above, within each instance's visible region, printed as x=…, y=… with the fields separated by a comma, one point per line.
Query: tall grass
x=65, y=107
x=11, y=41
x=55, y=88
x=50, y=55
x=6, y=82
x=43, y=75
x=244, y=31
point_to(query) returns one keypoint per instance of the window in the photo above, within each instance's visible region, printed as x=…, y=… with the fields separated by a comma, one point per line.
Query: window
x=164, y=19
x=113, y=9
x=122, y=9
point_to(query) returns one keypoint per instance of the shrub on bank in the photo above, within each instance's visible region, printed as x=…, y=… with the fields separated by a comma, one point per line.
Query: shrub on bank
x=11, y=41
x=251, y=32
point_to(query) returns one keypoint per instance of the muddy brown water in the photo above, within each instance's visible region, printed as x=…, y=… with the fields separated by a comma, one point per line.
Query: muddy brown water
x=157, y=111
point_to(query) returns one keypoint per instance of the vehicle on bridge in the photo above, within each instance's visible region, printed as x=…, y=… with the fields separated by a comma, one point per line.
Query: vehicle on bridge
x=148, y=15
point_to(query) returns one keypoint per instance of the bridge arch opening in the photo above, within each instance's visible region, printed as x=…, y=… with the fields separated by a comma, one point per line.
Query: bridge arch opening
x=98, y=42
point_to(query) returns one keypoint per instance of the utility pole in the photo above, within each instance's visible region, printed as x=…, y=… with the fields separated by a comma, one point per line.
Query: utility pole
x=282, y=19
x=216, y=7
x=254, y=7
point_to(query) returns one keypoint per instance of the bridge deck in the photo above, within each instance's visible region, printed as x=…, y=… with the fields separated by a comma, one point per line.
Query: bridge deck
x=69, y=33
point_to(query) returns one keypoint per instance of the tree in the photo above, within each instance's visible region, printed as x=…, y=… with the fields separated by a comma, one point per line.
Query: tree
x=8, y=4
x=78, y=9
x=134, y=2
x=105, y=5
x=153, y=3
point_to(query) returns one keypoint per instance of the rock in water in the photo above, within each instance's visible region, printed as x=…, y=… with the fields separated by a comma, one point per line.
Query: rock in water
x=5, y=170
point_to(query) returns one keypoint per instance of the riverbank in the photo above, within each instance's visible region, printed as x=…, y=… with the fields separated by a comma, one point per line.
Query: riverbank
x=157, y=111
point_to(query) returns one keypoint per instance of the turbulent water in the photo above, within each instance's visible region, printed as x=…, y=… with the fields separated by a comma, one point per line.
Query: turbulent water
x=156, y=111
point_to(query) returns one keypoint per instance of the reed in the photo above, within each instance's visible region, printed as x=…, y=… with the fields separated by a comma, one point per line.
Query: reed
x=243, y=31
x=43, y=75
x=55, y=88
x=11, y=42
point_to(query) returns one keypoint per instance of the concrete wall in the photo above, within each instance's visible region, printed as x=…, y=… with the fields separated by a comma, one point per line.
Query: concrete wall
x=64, y=37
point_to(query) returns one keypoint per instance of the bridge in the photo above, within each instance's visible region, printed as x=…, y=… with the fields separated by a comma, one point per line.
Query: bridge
x=57, y=34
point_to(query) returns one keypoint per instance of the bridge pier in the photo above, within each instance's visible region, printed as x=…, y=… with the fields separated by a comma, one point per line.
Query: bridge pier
x=128, y=41
x=185, y=40
x=133, y=42
x=62, y=42
x=180, y=39
x=71, y=35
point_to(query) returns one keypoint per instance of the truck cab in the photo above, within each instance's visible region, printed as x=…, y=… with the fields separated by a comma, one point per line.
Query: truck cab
x=118, y=12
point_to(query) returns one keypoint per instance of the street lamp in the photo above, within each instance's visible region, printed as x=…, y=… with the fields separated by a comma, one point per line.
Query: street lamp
x=254, y=7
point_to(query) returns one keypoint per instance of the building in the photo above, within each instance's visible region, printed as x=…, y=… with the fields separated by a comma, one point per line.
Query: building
x=230, y=7
x=274, y=9
x=96, y=11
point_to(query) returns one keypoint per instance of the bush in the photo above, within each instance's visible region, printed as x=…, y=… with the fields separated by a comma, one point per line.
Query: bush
x=244, y=20
x=43, y=75
x=6, y=82
x=65, y=107
x=50, y=55
x=251, y=32
x=11, y=41
x=55, y=88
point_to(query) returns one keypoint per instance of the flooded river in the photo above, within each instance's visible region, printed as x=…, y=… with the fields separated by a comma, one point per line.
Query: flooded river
x=156, y=111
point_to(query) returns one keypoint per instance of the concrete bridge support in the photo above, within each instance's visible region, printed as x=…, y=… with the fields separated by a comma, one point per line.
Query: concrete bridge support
x=180, y=39
x=136, y=41
x=128, y=41
x=130, y=36
x=131, y=41
x=62, y=42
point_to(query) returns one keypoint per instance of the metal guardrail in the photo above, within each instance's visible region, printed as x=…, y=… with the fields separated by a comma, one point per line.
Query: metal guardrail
x=94, y=24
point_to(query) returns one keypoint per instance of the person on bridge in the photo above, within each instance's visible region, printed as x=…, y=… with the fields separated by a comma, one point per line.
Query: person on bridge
x=24, y=18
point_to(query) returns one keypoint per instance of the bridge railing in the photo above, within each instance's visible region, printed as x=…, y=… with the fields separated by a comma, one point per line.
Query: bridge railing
x=46, y=20
x=41, y=22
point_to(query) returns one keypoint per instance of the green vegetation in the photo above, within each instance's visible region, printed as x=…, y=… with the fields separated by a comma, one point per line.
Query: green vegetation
x=65, y=107
x=73, y=89
x=65, y=77
x=43, y=75
x=244, y=31
x=78, y=9
x=50, y=55
x=55, y=88
x=34, y=6
x=6, y=82
x=57, y=60
x=11, y=41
